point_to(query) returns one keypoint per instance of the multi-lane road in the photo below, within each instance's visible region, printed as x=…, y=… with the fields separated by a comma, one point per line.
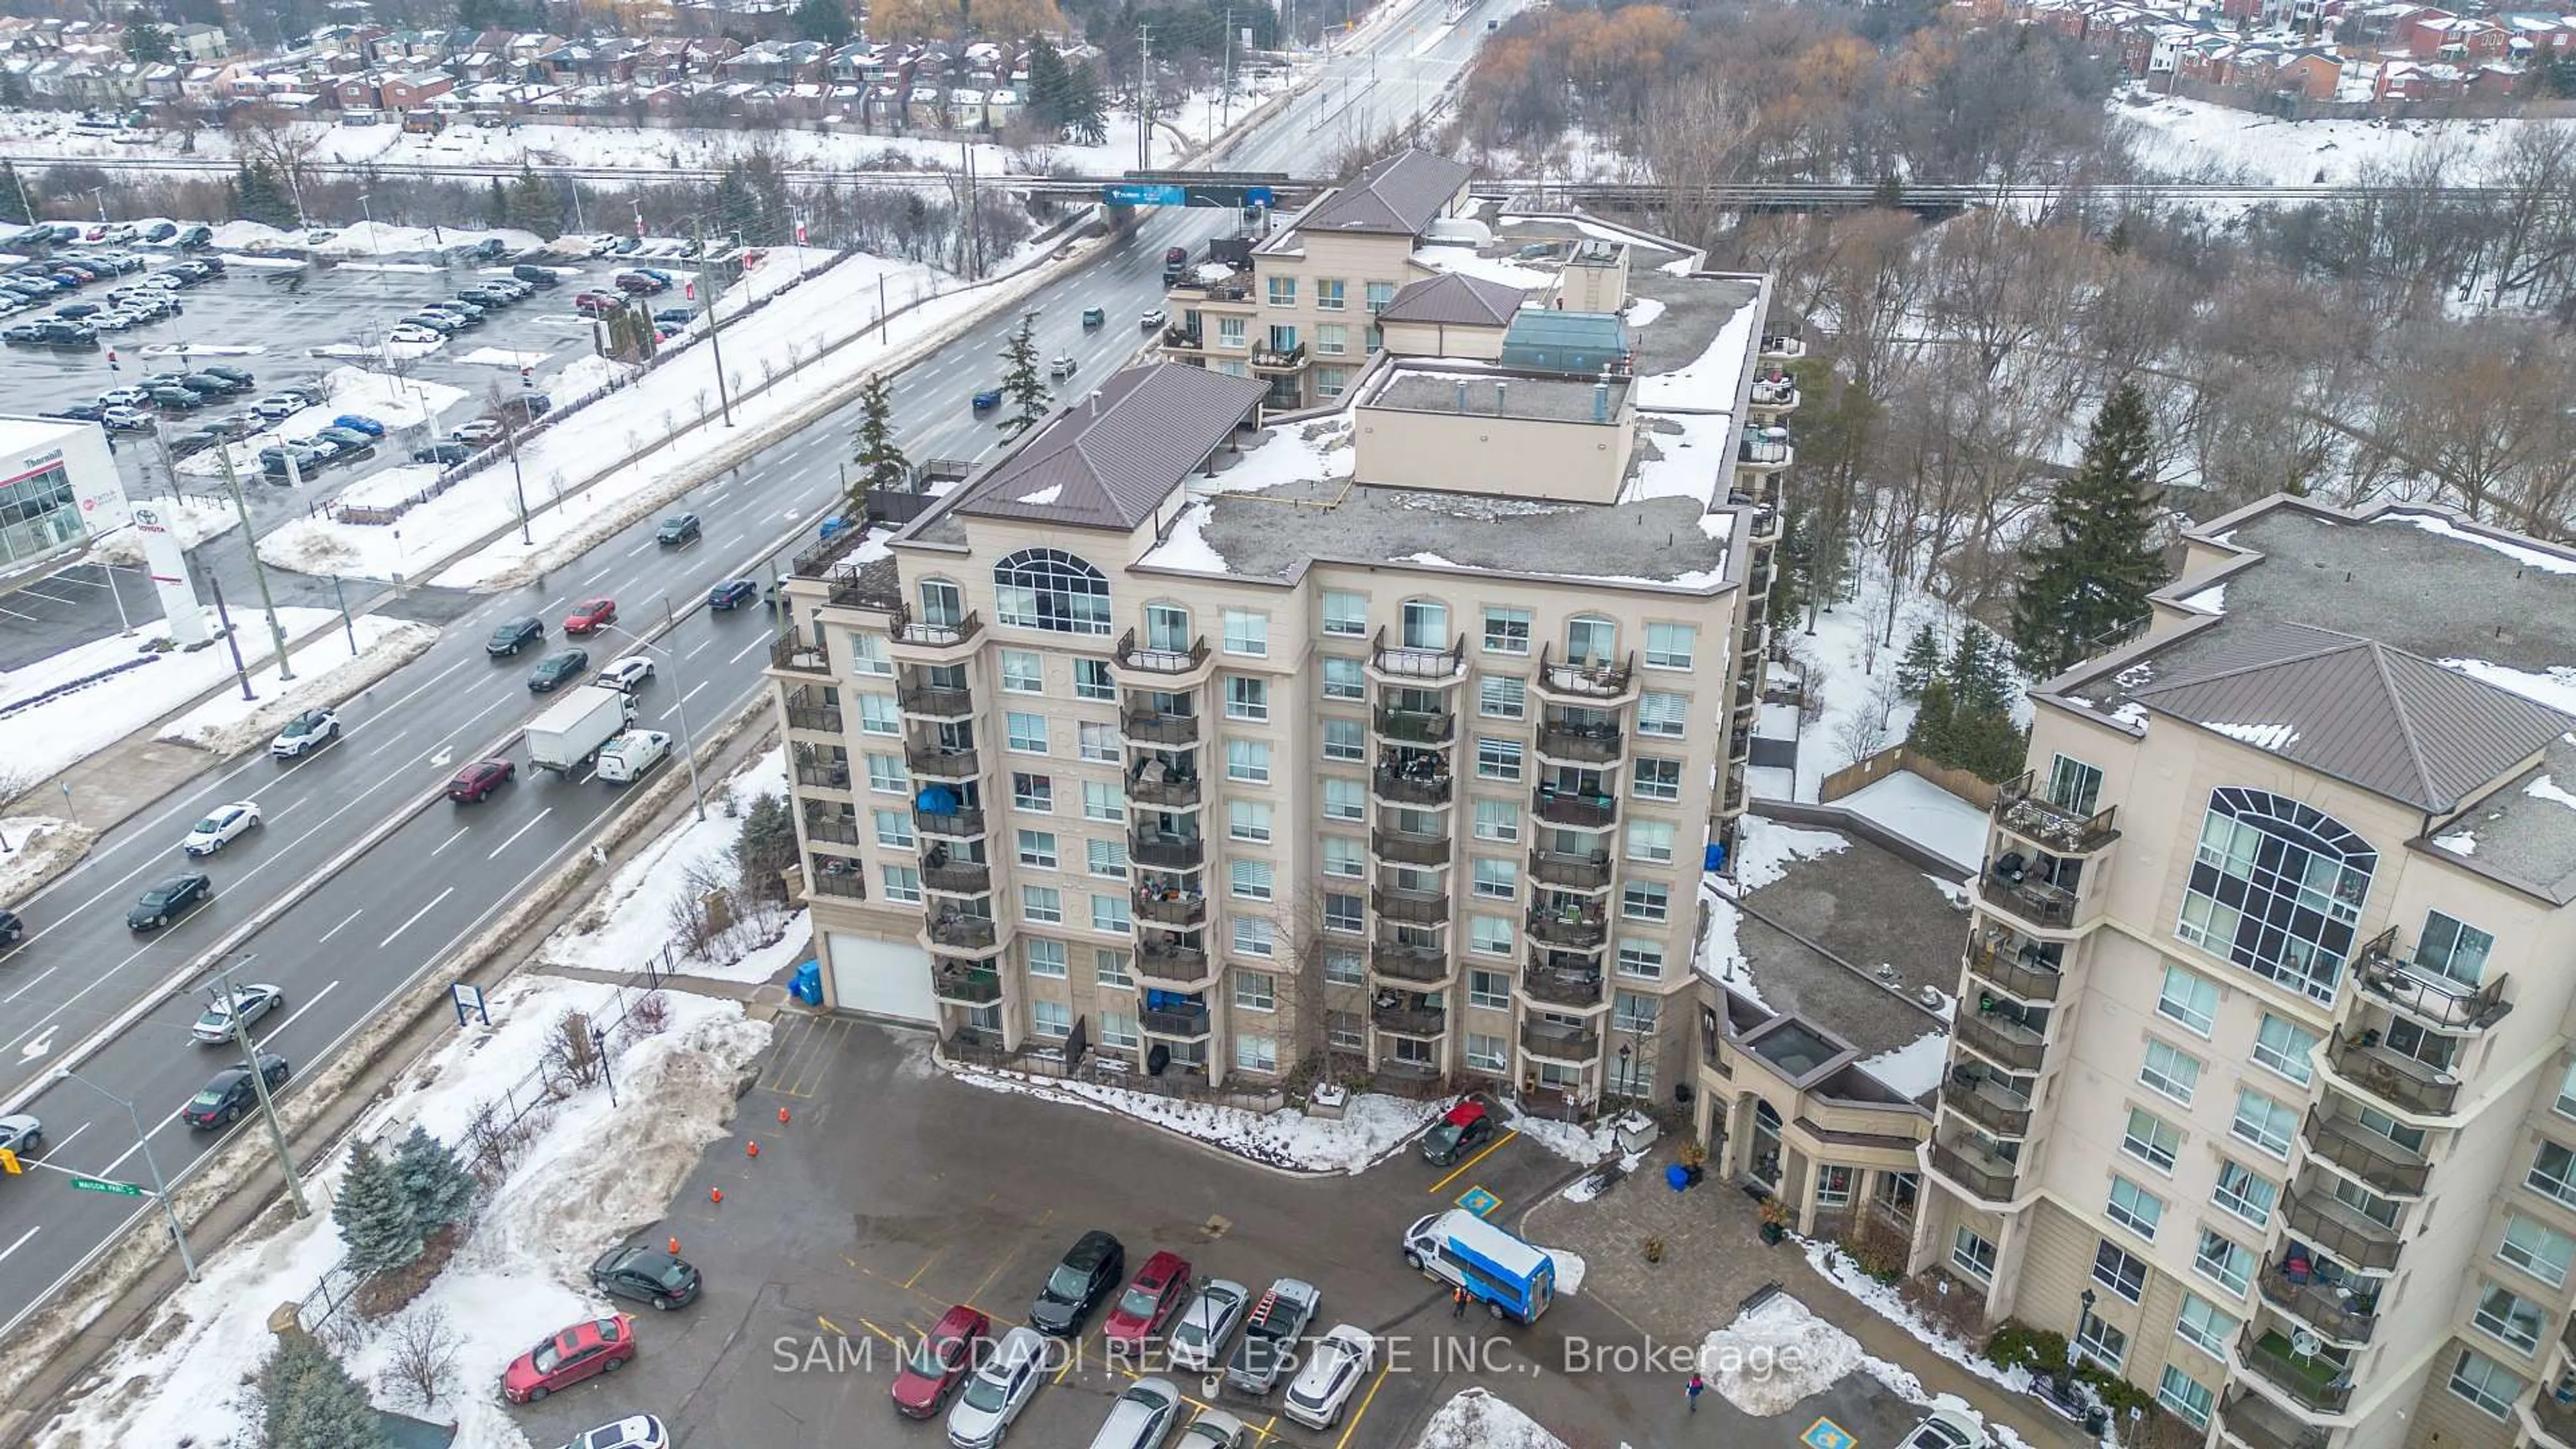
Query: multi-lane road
x=344, y=948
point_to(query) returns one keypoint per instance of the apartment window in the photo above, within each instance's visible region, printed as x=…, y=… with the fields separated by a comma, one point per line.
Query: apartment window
x=1283, y=291
x=1343, y=912
x=2100, y=1342
x=1045, y=588
x=2265, y=1123
x=1105, y=857
x=1050, y=1018
x=1343, y=1032
x=1344, y=740
x=1379, y=295
x=1247, y=697
x=1633, y=1013
x=1247, y=761
x=2282, y=1047
x=2134, y=1208
x=1343, y=857
x=902, y=883
x=878, y=715
x=2484, y=1382
x=2511, y=1318
x=1645, y=900
x=1651, y=841
x=1035, y=793
x=2120, y=1270
x=1249, y=880
x=2151, y=1139
x=1498, y=880
x=1045, y=957
x=1834, y=1183
x=2541, y=1252
x=1328, y=294
x=1028, y=733
x=1484, y=1053
x=1254, y=991
x=1092, y=680
x=1489, y=988
x=1500, y=696
x=1344, y=800
x=1022, y=673
x=1248, y=820
x=1972, y=1255
x=1096, y=742
x=868, y=655
x=1657, y=779
x=1109, y=913
x=1104, y=800
x=2452, y=950
x=1253, y=936
x=2074, y=785
x=2170, y=1071
x=2188, y=999
x=1498, y=820
x=2566, y=1105
x=1345, y=968
x=2276, y=887
x=2184, y=1396
x=1346, y=614
x=2245, y=1193
x=1343, y=679
x=1641, y=959
x=1118, y=1030
x=1037, y=848
x=1247, y=632
x=2553, y=1173
x=894, y=828
x=886, y=775
x=2224, y=1261
x=1230, y=333
x=1042, y=904
x=1662, y=714
x=1332, y=339
x=1497, y=759
x=2205, y=1326
x=1507, y=631
x=1256, y=1053
x=1669, y=646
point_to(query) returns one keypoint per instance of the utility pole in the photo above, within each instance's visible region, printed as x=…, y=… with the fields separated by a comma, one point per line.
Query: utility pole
x=258, y=572
x=1225, y=73
x=518, y=484
x=1144, y=98
x=715, y=318
x=259, y=1085
x=232, y=640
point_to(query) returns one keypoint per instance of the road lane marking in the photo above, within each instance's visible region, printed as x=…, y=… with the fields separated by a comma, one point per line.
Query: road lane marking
x=31, y=985
x=522, y=830
x=310, y=1002
x=702, y=644
x=59, y=1146
x=451, y=840
x=22, y=1242
x=344, y=921
x=416, y=915
x=154, y=1130
x=1472, y=1161
x=758, y=643
x=585, y=583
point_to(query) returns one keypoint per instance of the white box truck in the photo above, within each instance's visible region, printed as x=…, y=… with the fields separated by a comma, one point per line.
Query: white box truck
x=565, y=737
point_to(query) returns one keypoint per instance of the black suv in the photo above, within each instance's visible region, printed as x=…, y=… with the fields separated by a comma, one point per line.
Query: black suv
x=1091, y=1268
x=229, y=1093
x=169, y=900
x=647, y=1275
x=514, y=635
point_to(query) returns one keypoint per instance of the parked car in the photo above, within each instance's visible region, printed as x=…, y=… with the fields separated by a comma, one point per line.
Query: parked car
x=1149, y=1301
x=1140, y=1418
x=1270, y=1335
x=590, y=616
x=648, y=1275
x=229, y=1093
x=476, y=782
x=635, y=284
x=277, y=407
x=557, y=670
x=733, y=594
x=512, y=635
x=126, y=420
x=222, y=826
x=636, y=1431
x=230, y=373
x=169, y=900
x=479, y=432
x=628, y=672
x=1466, y=1126
x=596, y=304
x=207, y=389
x=307, y=732
x=78, y=311
x=414, y=333
x=174, y=399
x=585, y=1350
x=940, y=1362
x=1944, y=1429
x=542, y=278
x=1214, y=1429
x=1199, y=1335
x=305, y=457
x=352, y=443
x=438, y=322
x=456, y=305
x=1089, y=1270
x=160, y=231
x=675, y=317
x=676, y=529
x=189, y=445
x=1332, y=1372
x=446, y=455
x=214, y=1025
x=1001, y=1387
x=486, y=297
x=116, y=319
x=196, y=237
x=359, y=423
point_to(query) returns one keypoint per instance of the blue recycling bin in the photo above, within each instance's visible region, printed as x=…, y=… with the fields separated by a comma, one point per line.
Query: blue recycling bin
x=1676, y=1177
x=807, y=984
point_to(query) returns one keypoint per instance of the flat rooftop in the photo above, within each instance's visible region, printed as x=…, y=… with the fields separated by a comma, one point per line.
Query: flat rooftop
x=1872, y=909
x=1432, y=389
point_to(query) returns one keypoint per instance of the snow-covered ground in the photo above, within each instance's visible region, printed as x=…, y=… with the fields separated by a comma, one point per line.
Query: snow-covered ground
x=1926, y=814
x=40, y=848
x=1371, y=1126
x=193, y=520
x=399, y=403
x=326, y=672
x=1776, y=1353
x=1475, y=1419
x=2195, y=138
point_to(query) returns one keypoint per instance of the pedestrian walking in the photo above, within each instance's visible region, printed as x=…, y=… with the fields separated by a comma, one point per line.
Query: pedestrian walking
x=1694, y=1389
x=1458, y=1301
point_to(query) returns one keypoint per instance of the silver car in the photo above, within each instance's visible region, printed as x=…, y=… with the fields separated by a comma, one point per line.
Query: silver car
x=215, y=1026
x=1141, y=1418
x=21, y=1133
x=1214, y=1429
x=998, y=1391
x=1200, y=1334
x=1332, y=1373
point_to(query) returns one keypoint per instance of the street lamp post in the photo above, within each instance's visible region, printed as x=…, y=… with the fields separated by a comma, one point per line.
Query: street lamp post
x=143, y=1140
x=688, y=739
x=258, y=573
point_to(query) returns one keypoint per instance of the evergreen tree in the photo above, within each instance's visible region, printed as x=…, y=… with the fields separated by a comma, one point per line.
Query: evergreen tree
x=766, y=847
x=1050, y=86
x=1022, y=388
x=825, y=20
x=436, y=1189
x=259, y=197
x=376, y=1226
x=1792, y=585
x=2092, y=577
x=534, y=206
x=12, y=187
x=308, y=1401
x=1931, y=734
x=496, y=207
x=1922, y=661
x=1979, y=679
x=149, y=44
x=881, y=464
x=1086, y=107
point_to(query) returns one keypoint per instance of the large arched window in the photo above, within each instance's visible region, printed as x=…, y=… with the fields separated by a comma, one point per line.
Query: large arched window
x=2276, y=887
x=1047, y=588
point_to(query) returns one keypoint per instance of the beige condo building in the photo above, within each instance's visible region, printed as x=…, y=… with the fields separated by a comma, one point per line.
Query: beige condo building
x=2260, y=1086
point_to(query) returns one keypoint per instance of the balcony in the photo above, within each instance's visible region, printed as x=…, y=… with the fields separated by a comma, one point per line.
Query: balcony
x=2399, y=1080
x=1549, y=1041
x=2353, y=1239
x=917, y=696
x=2034, y=817
x=1586, y=683
x=1406, y=849
x=1415, y=664
x=1581, y=744
x=1171, y=961
x=1990, y=1104
x=958, y=878
x=964, y=824
x=2425, y=995
x=1766, y=530
x=2333, y=1311
x=935, y=762
x=2044, y=906
x=1166, y=793
x=1578, y=810
x=961, y=985
x=1733, y=798
x=808, y=712
x=1166, y=852
x=1981, y=1175
x=1412, y=908
x=1152, y=727
x=2251, y=1420
x=1579, y=990
x=2385, y=1166
x=1774, y=397
x=1182, y=339
x=1574, y=930
x=1183, y=909
x=2017, y=970
x=1571, y=872
x=1425, y=1021
x=948, y=638
x=1408, y=963
x=2001, y=1040
x=831, y=773
x=964, y=933
x=1782, y=347
x=1407, y=787
x=1416, y=727
x=1179, y=1023
x=1763, y=453
x=1172, y=668
x=843, y=884
x=832, y=829
x=2556, y=1422
x=815, y=560
x=1280, y=360
x=798, y=655
x=2319, y=1382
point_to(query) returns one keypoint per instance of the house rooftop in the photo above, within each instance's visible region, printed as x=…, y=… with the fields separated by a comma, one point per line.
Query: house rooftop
x=1398, y=196
x=1110, y=459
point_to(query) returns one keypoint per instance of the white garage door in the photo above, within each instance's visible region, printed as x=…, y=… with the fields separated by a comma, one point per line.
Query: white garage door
x=881, y=978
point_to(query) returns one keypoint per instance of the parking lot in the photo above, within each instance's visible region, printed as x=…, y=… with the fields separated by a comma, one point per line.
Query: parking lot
x=893, y=1191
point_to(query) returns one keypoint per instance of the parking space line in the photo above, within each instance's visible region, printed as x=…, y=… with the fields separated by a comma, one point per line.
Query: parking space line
x=891, y=1341
x=1472, y=1161
x=1366, y=1399
x=1007, y=1260
x=925, y=1267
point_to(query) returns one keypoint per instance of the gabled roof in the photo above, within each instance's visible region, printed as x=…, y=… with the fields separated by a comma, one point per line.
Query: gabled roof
x=2388, y=721
x=1454, y=298
x=1109, y=460
x=1400, y=195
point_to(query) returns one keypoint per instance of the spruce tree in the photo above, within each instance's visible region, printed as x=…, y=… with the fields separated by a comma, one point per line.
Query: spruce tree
x=1922, y=661
x=534, y=206
x=1022, y=388
x=1086, y=107
x=496, y=207
x=308, y=1401
x=766, y=848
x=881, y=464
x=259, y=197
x=376, y=1225
x=2089, y=573
x=435, y=1187
x=1932, y=733
x=1050, y=86
x=825, y=20
x=148, y=44
x=12, y=188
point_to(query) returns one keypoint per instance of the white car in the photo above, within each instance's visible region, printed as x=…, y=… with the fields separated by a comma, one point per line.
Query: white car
x=1945, y=1429
x=1062, y=366
x=628, y=672
x=1198, y=1337
x=998, y=1391
x=414, y=332
x=628, y=756
x=224, y=825
x=126, y=419
x=115, y=319
x=640, y=1431
x=277, y=407
x=1153, y=318
x=1340, y=1359
x=162, y=280
x=305, y=733
x=251, y=1003
x=1214, y=1429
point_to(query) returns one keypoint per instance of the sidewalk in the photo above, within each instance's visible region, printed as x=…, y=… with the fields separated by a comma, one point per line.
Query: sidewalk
x=1714, y=1259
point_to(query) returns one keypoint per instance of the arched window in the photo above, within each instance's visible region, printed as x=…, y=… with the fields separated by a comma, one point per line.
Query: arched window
x=1047, y=588
x=2276, y=887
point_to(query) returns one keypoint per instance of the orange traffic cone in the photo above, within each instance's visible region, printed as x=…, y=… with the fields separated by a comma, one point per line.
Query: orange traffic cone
x=751, y=1149
x=716, y=1195
x=782, y=1116
x=675, y=1247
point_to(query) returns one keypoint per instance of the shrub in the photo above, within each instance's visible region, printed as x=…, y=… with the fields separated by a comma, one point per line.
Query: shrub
x=2016, y=1344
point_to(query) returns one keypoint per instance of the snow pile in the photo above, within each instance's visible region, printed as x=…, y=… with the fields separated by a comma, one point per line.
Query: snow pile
x=1707, y=382
x=192, y=520
x=1717, y=954
x=2546, y=787
x=1689, y=454
x=1371, y=1125
x=1926, y=814
x=1881, y=1299
x=2524, y=554
x=1588, y=1146
x=40, y=848
x=2458, y=842
x=1475, y=1419
x=1765, y=849
x=325, y=673
x=1775, y=1354
x=1569, y=1270
x=1914, y=1068
x=2272, y=737
x=1466, y=262
x=1284, y=454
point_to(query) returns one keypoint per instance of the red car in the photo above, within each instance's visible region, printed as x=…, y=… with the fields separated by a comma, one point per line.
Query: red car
x=941, y=1362
x=598, y=1346
x=589, y=616
x=1154, y=1296
x=596, y=304
x=478, y=780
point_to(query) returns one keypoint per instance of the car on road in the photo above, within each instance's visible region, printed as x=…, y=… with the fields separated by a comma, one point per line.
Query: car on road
x=512, y=635
x=987, y=400
x=1152, y=319
x=940, y=1362
x=446, y=455
x=1062, y=366
x=359, y=423
x=1140, y=1418
x=648, y=1275
x=126, y=420
x=1090, y=1269
x=557, y=670
x=1000, y=1388
x=1332, y=1372
x=226, y=824
x=1468, y=1125
x=307, y=732
x=21, y=1134
x=1214, y=1429
x=1150, y=1300
x=1094, y=318
x=590, y=616
x=476, y=782
x=636, y=1431
x=585, y=1350
x=215, y=1024
x=734, y=594
x=626, y=758
x=479, y=432
x=678, y=528
x=1198, y=1337
x=169, y=900
x=628, y=672
x=1270, y=1334
x=229, y=1093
